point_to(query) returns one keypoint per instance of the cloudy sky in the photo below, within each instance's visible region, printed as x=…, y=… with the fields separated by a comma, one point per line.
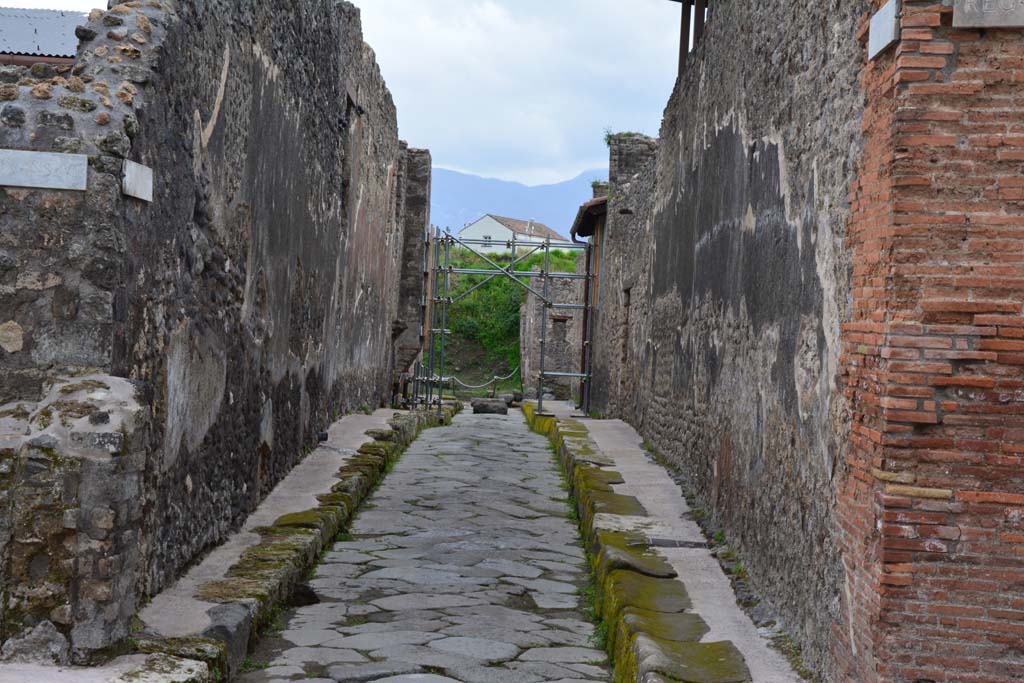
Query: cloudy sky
x=516, y=89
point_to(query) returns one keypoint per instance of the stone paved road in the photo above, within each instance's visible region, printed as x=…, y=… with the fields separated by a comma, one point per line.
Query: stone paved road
x=462, y=567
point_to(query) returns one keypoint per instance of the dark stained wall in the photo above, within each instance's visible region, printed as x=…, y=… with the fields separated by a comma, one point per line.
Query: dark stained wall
x=725, y=281
x=251, y=303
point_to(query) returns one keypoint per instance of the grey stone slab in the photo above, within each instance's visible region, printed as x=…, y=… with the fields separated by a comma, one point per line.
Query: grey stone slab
x=477, y=648
x=376, y=640
x=570, y=655
x=417, y=678
x=424, y=601
x=358, y=673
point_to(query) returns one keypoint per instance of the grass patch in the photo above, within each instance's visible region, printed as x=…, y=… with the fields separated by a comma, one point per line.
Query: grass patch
x=250, y=665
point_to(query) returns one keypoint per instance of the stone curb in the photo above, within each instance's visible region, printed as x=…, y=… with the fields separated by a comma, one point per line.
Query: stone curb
x=268, y=573
x=652, y=635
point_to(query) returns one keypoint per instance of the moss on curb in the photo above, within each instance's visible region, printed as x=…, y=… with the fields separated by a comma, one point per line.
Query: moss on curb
x=651, y=636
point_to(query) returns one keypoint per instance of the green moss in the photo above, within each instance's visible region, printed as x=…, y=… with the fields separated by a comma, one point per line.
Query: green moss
x=623, y=589
x=309, y=519
x=699, y=662
x=18, y=412
x=793, y=653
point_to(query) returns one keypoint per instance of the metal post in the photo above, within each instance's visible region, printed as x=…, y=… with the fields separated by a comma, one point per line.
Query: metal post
x=543, y=325
x=444, y=319
x=699, y=11
x=435, y=288
x=684, y=40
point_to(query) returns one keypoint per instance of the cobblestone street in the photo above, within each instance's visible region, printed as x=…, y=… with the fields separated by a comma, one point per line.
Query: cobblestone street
x=463, y=566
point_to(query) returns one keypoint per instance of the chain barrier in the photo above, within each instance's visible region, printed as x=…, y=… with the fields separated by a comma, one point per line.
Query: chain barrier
x=484, y=386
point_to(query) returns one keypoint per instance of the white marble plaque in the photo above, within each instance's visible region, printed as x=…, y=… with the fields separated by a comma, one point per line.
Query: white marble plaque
x=138, y=181
x=885, y=29
x=45, y=170
x=988, y=13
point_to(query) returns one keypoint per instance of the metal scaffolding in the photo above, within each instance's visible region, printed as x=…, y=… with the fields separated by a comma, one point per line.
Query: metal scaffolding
x=430, y=377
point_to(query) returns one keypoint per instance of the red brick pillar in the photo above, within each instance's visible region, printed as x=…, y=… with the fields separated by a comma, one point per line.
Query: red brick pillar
x=931, y=506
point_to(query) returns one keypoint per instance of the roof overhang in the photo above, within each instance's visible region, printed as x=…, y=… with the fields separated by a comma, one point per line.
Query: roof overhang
x=587, y=217
x=7, y=59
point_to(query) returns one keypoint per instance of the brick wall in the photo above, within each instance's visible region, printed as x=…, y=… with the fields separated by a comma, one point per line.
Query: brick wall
x=931, y=507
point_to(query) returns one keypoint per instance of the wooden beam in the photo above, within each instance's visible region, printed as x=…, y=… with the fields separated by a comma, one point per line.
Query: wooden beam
x=700, y=7
x=684, y=37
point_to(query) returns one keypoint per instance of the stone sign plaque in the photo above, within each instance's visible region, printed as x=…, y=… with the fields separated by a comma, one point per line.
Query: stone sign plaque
x=138, y=181
x=884, y=29
x=988, y=13
x=45, y=170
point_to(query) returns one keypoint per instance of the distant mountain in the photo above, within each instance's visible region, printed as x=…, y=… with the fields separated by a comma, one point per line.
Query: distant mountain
x=460, y=198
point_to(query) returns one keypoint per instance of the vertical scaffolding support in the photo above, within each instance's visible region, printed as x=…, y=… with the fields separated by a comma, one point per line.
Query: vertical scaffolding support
x=431, y=355
x=544, y=304
x=588, y=330
x=445, y=283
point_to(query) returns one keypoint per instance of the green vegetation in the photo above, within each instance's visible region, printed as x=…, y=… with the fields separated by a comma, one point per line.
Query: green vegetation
x=250, y=665
x=489, y=316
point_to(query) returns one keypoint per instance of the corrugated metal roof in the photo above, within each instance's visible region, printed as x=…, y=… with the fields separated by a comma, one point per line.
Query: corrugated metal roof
x=42, y=32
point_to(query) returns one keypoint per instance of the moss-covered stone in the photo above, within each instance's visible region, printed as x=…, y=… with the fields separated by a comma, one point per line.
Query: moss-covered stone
x=682, y=627
x=212, y=652
x=623, y=589
x=604, y=502
x=381, y=434
x=614, y=550
x=162, y=668
x=690, y=662
x=309, y=519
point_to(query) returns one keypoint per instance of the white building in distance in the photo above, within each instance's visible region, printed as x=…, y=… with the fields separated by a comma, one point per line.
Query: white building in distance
x=498, y=230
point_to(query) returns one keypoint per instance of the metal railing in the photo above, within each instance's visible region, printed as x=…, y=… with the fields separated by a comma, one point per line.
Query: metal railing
x=429, y=377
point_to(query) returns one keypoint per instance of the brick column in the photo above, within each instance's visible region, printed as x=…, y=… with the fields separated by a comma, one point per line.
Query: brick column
x=931, y=505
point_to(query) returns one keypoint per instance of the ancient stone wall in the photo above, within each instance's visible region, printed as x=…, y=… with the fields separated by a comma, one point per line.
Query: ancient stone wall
x=724, y=281
x=253, y=300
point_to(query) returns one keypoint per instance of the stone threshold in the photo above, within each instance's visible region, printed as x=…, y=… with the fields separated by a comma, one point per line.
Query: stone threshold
x=670, y=611
x=201, y=629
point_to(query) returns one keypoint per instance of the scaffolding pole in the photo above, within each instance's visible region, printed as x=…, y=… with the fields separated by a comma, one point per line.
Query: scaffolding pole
x=545, y=302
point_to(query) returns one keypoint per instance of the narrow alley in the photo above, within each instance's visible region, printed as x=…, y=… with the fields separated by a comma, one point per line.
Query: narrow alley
x=463, y=566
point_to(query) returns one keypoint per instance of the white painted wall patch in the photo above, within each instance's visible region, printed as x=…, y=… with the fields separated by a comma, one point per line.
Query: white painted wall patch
x=44, y=170
x=138, y=181
x=988, y=13
x=885, y=29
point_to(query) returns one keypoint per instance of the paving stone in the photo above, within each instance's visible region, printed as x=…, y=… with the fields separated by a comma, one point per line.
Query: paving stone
x=357, y=673
x=563, y=654
x=477, y=648
x=451, y=573
x=417, y=678
x=379, y=639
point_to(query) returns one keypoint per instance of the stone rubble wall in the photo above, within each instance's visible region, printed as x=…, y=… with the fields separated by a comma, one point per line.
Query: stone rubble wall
x=255, y=299
x=416, y=214
x=724, y=281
